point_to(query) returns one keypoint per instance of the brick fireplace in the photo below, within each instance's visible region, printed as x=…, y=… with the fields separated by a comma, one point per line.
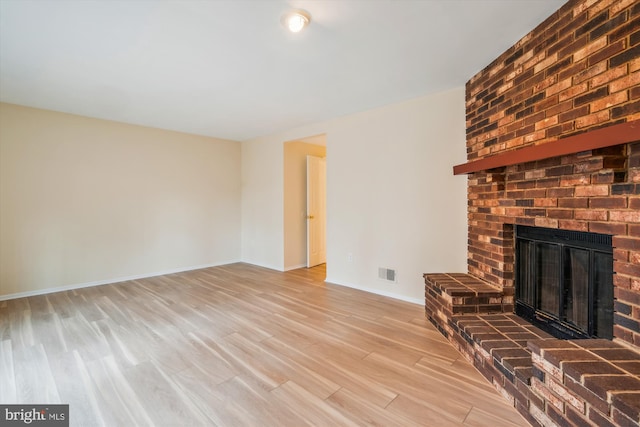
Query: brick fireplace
x=553, y=141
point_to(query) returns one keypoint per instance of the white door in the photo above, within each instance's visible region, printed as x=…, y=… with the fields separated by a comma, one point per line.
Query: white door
x=316, y=211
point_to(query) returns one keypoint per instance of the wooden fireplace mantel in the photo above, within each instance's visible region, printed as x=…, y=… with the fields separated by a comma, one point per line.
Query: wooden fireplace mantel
x=600, y=138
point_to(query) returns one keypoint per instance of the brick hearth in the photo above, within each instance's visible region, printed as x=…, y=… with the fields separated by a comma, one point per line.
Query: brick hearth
x=550, y=381
x=577, y=72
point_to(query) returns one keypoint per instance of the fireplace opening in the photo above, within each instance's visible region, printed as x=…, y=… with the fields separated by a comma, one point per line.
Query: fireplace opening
x=564, y=281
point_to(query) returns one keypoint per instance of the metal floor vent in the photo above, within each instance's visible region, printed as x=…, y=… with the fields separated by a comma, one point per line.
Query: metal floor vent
x=387, y=274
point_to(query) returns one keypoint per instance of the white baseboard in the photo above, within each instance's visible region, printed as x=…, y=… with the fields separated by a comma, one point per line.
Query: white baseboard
x=108, y=281
x=270, y=267
x=377, y=292
x=196, y=267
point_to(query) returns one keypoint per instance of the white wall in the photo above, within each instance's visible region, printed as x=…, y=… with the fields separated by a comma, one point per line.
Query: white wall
x=91, y=201
x=392, y=200
x=262, y=233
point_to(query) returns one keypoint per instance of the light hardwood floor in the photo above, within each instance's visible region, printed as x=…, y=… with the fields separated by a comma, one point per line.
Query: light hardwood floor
x=239, y=345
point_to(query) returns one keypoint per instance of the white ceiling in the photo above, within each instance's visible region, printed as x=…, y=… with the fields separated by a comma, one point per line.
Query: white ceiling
x=227, y=68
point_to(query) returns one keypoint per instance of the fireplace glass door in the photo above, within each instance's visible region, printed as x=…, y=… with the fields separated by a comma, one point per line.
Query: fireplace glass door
x=576, y=274
x=564, y=281
x=547, y=263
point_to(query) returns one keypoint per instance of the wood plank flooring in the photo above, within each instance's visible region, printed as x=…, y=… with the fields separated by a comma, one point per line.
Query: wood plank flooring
x=239, y=345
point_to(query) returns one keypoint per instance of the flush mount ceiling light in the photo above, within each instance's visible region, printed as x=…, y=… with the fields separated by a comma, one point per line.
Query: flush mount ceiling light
x=296, y=20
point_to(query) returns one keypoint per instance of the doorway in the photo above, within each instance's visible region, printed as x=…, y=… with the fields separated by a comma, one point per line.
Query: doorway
x=296, y=243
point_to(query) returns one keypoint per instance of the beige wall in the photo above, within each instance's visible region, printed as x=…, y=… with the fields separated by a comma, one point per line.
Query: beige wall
x=392, y=199
x=295, y=201
x=91, y=201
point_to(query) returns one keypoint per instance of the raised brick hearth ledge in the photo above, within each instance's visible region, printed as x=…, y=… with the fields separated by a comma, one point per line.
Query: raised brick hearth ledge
x=548, y=380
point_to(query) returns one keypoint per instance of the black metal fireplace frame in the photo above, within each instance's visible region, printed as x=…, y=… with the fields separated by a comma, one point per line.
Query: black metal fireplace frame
x=526, y=278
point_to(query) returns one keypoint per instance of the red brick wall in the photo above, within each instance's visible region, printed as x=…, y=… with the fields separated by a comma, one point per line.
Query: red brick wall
x=577, y=71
